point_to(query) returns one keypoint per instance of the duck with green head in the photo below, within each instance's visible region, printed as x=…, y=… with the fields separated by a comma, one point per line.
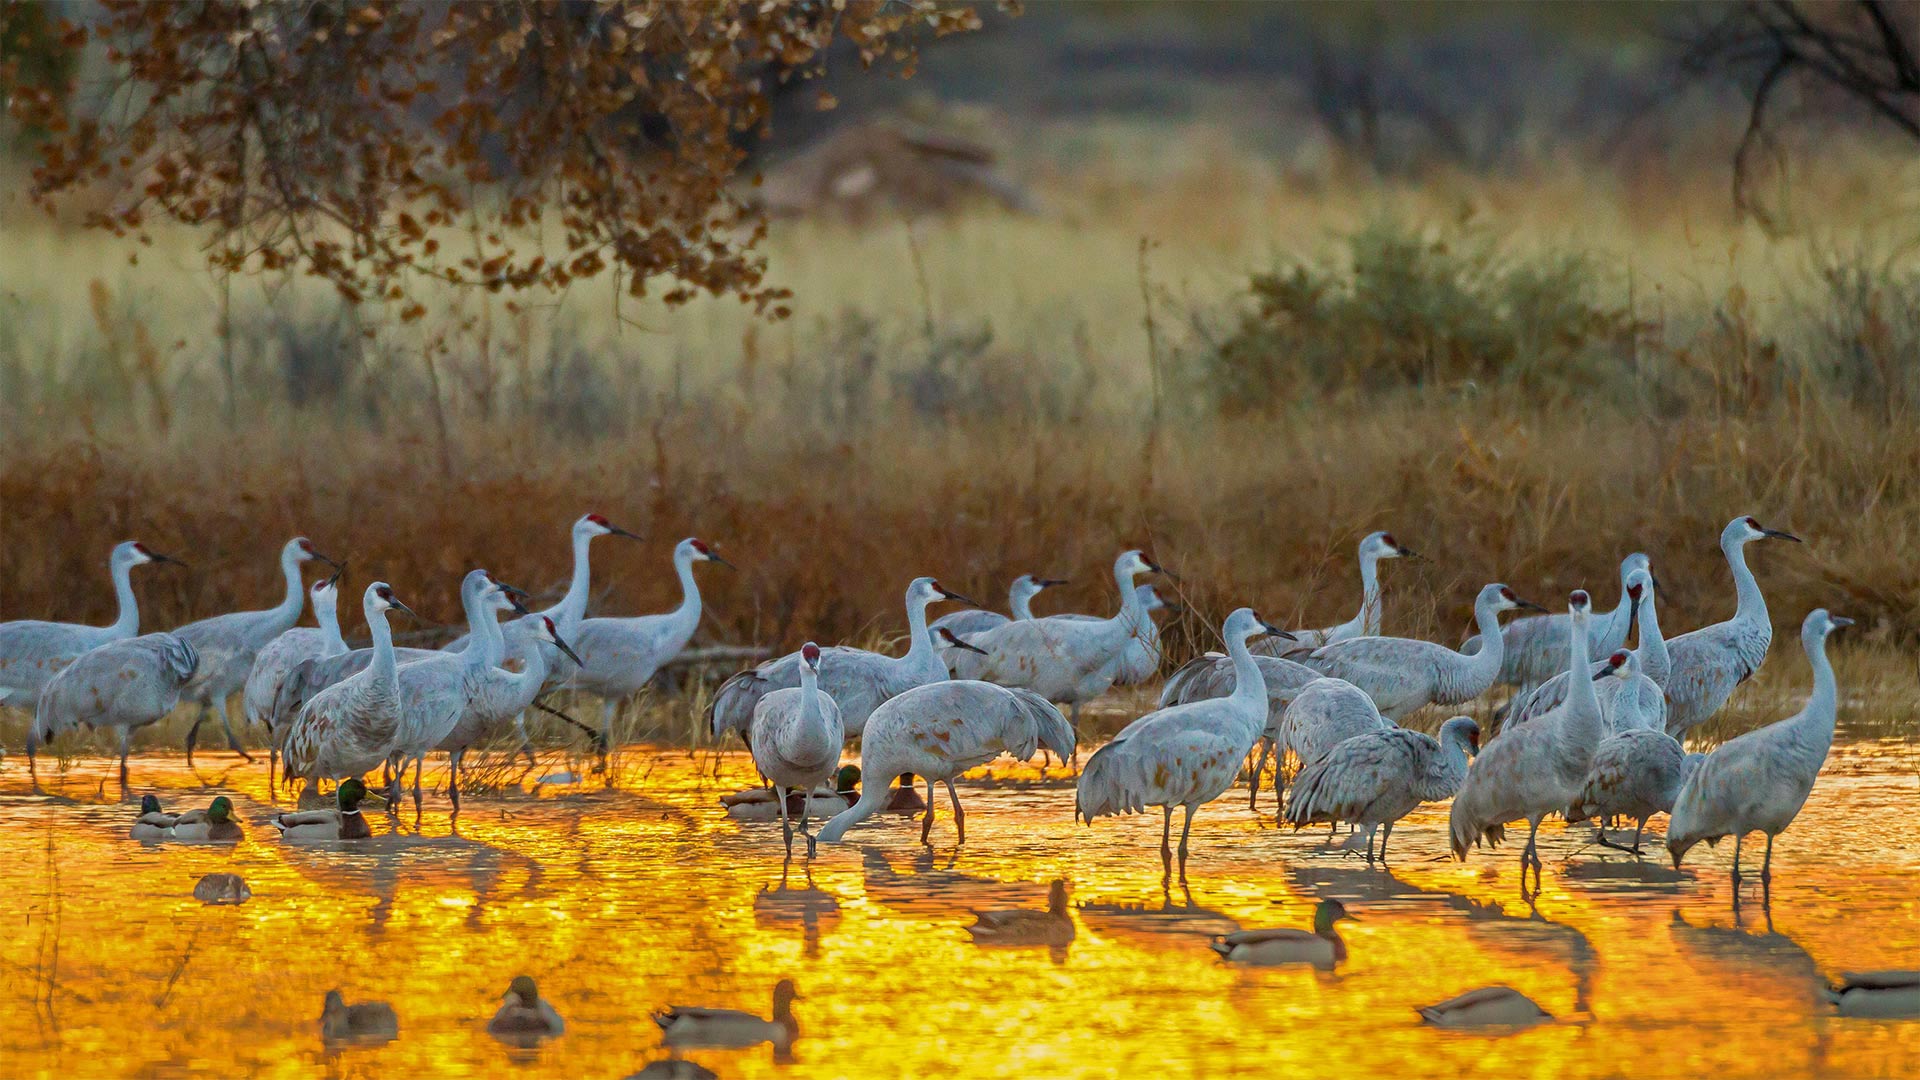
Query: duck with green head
x=1322, y=947
x=760, y=804
x=153, y=823
x=216, y=824
x=344, y=823
x=525, y=1017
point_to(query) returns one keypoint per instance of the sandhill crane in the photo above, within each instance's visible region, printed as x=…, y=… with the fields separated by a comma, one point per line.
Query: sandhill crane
x=1366, y=622
x=1646, y=705
x=1019, y=602
x=1534, y=769
x=483, y=699
x=1709, y=662
x=1183, y=755
x=940, y=730
x=1323, y=714
x=1211, y=676
x=857, y=680
x=1404, y=674
x=121, y=685
x=281, y=655
x=621, y=655
x=1535, y=646
x=1376, y=779
x=1637, y=773
x=1760, y=780
x=348, y=728
x=566, y=614
x=796, y=739
x=1062, y=659
x=1141, y=659
x=33, y=652
x=227, y=644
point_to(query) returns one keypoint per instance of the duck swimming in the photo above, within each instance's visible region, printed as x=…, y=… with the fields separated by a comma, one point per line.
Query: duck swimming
x=214, y=825
x=760, y=804
x=525, y=1018
x=1023, y=926
x=1321, y=947
x=682, y=1025
x=345, y=823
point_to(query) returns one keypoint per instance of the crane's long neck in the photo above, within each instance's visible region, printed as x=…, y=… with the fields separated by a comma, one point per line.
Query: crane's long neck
x=1814, y=726
x=573, y=606
x=1133, y=611
x=1448, y=769
x=1020, y=603
x=808, y=740
x=523, y=685
x=488, y=642
x=1581, y=724
x=921, y=654
x=1483, y=667
x=687, y=615
x=1249, y=685
x=383, y=667
x=128, y=624
x=1369, y=593
x=288, y=610
x=327, y=614
x=1655, y=662
x=1752, y=609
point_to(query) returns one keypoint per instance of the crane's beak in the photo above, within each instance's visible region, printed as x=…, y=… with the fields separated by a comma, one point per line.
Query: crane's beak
x=1527, y=605
x=154, y=556
x=1839, y=621
x=568, y=649
x=1050, y=582
x=954, y=640
x=714, y=556
x=334, y=579
x=316, y=554
x=398, y=606
x=514, y=596
x=1780, y=534
x=1407, y=553
x=1156, y=568
x=615, y=530
x=1276, y=631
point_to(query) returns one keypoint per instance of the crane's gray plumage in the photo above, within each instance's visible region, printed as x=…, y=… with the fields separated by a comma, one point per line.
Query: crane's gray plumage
x=1405, y=674
x=619, y=656
x=227, y=644
x=1375, y=779
x=1211, y=676
x=1183, y=755
x=572, y=607
x=1534, y=769
x=1536, y=646
x=1635, y=773
x=486, y=697
x=32, y=652
x=1759, y=781
x=977, y=620
x=858, y=680
x=123, y=685
x=1323, y=714
x=349, y=727
x=1365, y=622
x=1645, y=703
x=1711, y=661
x=940, y=730
x=301, y=643
x=796, y=740
x=1065, y=659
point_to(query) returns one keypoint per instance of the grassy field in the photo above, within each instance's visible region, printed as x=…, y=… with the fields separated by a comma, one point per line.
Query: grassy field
x=983, y=396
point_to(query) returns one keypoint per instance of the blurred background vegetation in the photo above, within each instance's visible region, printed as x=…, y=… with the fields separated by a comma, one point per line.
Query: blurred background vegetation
x=1239, y=281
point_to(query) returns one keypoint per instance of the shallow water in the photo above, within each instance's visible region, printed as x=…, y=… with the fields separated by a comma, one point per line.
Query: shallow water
x=623, y=900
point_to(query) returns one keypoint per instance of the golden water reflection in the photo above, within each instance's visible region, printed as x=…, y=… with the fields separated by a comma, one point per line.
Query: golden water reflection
x=622, y=901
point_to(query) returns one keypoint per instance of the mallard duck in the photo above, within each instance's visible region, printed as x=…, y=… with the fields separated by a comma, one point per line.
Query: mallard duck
x=1489, y=1006
x=213, y=825
x=525, y=1017
x=1877, y=994
x=905, y=798
x=759, y=804
x=153, y=823
x=222, y=889
x=1285, y=945
x=1024, y=926
x=370, y=1022
x=674, y=1069
x=682, y=1025
x=345, y=823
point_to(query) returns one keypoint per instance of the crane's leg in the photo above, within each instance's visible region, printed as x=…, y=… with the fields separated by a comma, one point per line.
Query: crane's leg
x=193, y=733
x=1253, y=784
x=1074, y=721
x=125, y=734
x=1166, y=839
x=418, y=763
x=1386, y=834
x=806, y=803
x=1766, y=865
x=1736, y=860
x=609, y=709
x=926, y=823
x=959, y=815
x=394, y=781
x=453, y=780
x=786, y=827
x=273, y=762
x=226, y=724
x=1186, y=829
x=1639, y=827
x=1530, y=854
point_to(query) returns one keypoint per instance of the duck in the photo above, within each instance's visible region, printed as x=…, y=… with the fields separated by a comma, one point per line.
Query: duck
x=369, y=1022
x=345, y=823
x=224, y=889
x=905, y=798
x=153, y=823
x=759, y=804
x=1489, y=1006
x=1321, y=947
x=214, y=825
x=682, y=1025
x=1880, y=995
x=674, y=1069
x=1024, y=926
x=525, y=1017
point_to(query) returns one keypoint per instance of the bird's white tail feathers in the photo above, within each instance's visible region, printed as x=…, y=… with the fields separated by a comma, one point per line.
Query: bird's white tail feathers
x=1107, y=784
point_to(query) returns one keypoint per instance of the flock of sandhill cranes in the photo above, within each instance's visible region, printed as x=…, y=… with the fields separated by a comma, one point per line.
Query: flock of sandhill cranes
x=1593, y=729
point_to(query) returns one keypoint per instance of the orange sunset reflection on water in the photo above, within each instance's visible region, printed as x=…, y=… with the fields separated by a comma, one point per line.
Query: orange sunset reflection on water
x=623, y=900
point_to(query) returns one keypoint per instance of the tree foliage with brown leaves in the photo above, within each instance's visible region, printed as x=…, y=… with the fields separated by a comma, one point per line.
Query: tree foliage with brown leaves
x=509, y=145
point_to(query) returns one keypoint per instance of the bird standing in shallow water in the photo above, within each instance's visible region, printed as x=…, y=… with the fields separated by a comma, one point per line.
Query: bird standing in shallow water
x=796, y=740
x=1760, y=780
x=1375, y=779
x=123, y=685
x=1708, y=663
